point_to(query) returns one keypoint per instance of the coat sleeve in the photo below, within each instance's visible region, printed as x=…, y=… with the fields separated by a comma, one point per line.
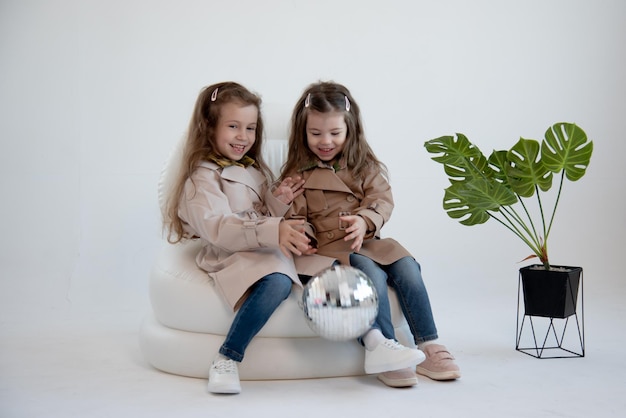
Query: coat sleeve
x=377, y=204
x=299, y=210
x=206, y=210
x=274, y=205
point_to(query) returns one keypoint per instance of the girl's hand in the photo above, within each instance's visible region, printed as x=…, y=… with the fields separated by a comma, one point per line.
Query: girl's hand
x=357, y=227
x=289, y=189
x=292, y=239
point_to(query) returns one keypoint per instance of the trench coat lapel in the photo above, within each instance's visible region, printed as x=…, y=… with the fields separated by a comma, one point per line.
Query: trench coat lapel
x=252, y=178
x=325, y=179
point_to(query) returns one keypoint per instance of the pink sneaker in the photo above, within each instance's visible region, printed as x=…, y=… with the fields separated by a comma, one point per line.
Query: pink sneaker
x=402, y=378
x=439, y=364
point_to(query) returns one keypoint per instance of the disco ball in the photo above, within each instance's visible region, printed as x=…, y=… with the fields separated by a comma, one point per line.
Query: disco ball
x=340, y=303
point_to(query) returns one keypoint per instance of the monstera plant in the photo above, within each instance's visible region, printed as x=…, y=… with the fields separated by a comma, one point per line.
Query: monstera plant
x=501, y=187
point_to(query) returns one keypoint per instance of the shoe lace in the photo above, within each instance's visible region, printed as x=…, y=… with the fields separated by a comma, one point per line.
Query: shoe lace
x=393, y=344
x=226, y=366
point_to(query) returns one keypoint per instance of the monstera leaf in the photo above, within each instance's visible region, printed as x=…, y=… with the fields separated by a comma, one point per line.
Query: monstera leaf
x=565, y=147
x=525, y=170
x=471, y=201
x=462, y=161
x=498, y=162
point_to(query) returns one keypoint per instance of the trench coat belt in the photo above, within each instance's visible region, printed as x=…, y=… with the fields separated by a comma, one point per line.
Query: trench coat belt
x=327, y=224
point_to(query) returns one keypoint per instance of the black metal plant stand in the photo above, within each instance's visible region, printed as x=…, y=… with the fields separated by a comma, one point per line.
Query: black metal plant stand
x=548, y=336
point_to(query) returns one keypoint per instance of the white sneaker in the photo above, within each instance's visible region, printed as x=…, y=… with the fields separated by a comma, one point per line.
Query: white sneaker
x=391, y=355
x=224, y=377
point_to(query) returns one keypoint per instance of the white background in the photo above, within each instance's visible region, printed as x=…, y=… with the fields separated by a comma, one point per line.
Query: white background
x=94, y=94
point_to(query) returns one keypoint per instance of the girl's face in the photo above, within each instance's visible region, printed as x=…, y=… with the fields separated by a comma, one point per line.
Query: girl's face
x=236, y=130
x=326, y=134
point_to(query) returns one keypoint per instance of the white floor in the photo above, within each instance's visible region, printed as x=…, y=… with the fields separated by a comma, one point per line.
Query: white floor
x=65, y=364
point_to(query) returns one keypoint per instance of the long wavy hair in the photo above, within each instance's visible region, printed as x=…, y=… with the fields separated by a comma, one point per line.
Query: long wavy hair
x=325, y=97
x=201, y=141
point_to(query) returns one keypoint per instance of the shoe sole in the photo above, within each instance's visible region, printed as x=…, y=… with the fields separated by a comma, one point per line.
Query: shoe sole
x=396, y=366
x=449, y=375
x=224, y=389
x=398, y=383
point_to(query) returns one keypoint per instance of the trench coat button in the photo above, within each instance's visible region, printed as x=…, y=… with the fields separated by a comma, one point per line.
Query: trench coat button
x=330, y=235
x=350, y=198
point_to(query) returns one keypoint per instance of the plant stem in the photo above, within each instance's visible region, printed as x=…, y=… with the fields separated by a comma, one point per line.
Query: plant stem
x=534, y=246
x=544, y=246
x=533, y=234
x=556, y=203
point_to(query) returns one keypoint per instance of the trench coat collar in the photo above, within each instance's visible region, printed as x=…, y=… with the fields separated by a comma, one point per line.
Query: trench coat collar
x=249, y=176
x=325, y=178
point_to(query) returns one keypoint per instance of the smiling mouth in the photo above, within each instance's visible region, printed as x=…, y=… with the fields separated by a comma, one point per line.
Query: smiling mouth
x=238, y=148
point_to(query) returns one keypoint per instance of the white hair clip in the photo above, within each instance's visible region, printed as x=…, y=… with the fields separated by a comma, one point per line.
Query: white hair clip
x=347, y=104
x=214, y=94
x=307, y=101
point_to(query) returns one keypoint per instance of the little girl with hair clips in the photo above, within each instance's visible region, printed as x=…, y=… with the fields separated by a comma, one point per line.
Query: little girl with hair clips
x=346, y=201
x=222, y=197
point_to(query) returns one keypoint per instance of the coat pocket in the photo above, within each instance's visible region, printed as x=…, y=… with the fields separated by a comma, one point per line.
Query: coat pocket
x=316, y=201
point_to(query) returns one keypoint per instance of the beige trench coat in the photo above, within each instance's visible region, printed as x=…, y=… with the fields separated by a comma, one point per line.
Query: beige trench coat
x=225, y=209
x=326, y=194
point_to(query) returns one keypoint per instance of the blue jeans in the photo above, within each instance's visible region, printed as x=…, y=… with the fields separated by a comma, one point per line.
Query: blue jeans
x=405, y=277
x=264, y=297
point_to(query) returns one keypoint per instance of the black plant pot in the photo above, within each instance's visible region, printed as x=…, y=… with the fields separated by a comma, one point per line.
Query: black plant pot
x=553, y=293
